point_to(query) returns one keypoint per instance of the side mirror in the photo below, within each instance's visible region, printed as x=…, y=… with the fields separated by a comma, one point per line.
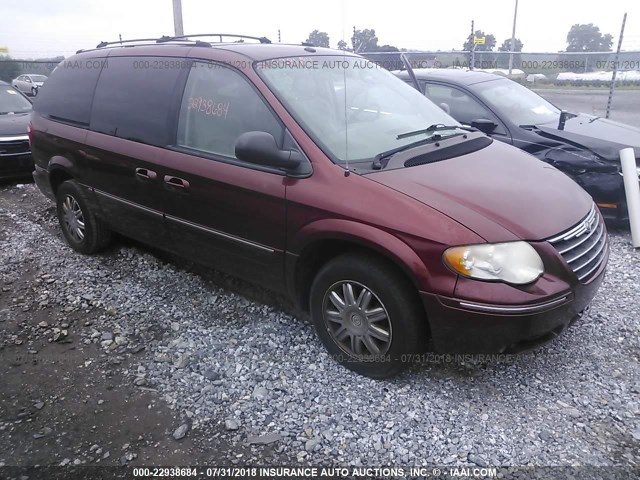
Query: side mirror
x=445, y=106
x=261, y=148
x=484, y=125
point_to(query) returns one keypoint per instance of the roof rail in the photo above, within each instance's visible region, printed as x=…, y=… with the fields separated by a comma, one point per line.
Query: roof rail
x=220, y=35
x=182, y=38
x=119, y=42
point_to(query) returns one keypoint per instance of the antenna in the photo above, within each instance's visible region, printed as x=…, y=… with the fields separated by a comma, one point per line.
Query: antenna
x=344, y=79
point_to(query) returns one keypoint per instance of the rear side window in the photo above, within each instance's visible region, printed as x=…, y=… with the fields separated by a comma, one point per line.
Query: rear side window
x=67, y=94
x=218, y=106
x=133, y=100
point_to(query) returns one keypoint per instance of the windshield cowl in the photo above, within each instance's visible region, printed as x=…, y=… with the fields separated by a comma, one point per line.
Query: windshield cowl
x=436, y=150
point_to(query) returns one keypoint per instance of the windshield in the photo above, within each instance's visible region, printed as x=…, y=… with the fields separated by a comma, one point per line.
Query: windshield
x=517, y=103
x=38, y=78
x=351, y=107
x=12, y=102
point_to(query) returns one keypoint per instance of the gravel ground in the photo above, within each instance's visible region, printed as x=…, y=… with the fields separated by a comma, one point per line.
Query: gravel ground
x=244, y=374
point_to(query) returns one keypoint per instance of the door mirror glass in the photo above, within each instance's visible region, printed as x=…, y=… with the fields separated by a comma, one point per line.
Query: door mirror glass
x=261, y=148
x=484, y=125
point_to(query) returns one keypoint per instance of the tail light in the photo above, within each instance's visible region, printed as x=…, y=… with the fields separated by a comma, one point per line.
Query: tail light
x=30, y=133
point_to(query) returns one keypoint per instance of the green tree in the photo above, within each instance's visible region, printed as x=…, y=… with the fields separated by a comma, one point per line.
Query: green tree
x=490, y=42
x=588, y=38
x=9, y=68
x=506, y=46
x=364, y=40
x=388, y=48
x=319, y=39
x=342, y=45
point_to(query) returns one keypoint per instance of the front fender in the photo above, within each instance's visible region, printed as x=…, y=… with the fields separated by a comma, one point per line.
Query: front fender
x=367, y=236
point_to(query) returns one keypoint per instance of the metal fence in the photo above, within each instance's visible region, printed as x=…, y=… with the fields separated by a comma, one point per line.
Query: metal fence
x=579, y=69
x=561, y=68
x=585, y=71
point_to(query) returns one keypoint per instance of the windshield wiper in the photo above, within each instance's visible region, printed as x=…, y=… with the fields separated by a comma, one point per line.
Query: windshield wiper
x=377, y=161
x=436, y=127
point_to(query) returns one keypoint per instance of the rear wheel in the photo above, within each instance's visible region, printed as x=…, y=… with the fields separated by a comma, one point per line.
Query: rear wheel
x=367, y=315
x=83, y=231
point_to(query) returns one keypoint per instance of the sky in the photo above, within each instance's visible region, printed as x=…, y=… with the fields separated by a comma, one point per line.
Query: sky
x=47, y=28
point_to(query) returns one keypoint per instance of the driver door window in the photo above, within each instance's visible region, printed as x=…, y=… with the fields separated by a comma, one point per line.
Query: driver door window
x=218, y=106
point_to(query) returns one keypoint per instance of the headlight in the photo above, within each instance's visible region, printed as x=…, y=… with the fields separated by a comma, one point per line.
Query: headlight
x=513, y=262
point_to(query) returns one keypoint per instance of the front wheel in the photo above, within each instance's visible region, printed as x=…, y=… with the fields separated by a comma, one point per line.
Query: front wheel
x=367, y=315
x=84, y=232
x=34, y=91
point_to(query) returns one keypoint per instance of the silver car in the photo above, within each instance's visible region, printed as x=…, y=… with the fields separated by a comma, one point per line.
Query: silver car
x=29, y=83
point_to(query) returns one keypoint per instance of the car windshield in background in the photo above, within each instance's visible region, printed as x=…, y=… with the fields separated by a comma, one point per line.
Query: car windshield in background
x=517, y=103
x=38, y=78
x=350, y=106
x=12, y=102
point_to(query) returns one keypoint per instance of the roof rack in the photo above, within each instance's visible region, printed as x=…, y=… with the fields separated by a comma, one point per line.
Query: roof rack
x=220, y=35
x=120, y=42
x=182, y=38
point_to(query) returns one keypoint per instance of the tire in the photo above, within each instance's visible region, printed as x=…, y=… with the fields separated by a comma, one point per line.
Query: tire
x=34, y=91
x=392, y=343
x=82, y=230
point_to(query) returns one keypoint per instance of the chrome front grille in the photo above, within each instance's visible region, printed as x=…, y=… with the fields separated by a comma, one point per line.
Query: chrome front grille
x=14, y=146
x=584, y=246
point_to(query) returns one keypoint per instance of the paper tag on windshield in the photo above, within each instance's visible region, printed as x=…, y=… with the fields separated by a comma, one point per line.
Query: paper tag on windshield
x=12, y=92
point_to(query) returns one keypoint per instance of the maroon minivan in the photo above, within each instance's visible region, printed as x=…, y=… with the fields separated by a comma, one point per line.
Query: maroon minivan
x=314, y=172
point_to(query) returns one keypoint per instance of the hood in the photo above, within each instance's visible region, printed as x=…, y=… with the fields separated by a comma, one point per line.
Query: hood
x=499, y=192
x=14, y=124
x=603, y=137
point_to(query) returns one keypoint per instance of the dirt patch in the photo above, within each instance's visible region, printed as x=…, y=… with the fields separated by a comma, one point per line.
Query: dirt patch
x=63, y=401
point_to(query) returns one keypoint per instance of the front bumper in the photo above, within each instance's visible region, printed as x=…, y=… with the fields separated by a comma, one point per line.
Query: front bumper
x=463, y=326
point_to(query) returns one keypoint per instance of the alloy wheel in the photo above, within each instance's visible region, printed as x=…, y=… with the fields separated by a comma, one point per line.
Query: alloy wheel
x=73, y=218
x=356, y=319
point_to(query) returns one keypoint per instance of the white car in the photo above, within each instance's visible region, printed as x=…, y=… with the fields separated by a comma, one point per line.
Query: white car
x=29, y=84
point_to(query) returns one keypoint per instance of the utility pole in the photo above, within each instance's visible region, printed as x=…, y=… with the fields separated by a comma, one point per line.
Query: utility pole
x=513, y=39
x=472, y=53
x=353, y=39
x=177, y=18
x=615, y=67
x=279, y=39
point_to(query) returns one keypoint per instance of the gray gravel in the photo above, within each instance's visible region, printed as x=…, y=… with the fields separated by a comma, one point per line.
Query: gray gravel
x=220, y=359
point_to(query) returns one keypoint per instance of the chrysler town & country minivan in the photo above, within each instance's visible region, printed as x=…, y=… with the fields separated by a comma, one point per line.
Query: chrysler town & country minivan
x=314, y=172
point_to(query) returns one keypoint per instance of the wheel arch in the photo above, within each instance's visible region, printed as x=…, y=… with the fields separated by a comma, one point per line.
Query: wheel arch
x=324, y=240
x=60, y=169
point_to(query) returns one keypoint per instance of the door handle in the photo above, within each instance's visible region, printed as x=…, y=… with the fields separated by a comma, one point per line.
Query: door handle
x=144, y=174
x=175, y=182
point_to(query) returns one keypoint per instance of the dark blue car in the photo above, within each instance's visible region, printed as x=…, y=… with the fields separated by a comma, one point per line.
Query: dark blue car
x=585, y=147
x=15, y=153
